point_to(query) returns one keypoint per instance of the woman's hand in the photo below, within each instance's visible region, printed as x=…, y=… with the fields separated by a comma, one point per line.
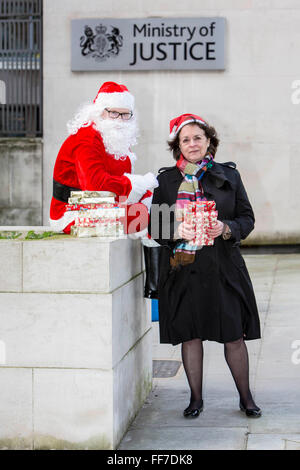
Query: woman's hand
x=216, y=230
x=186, y=231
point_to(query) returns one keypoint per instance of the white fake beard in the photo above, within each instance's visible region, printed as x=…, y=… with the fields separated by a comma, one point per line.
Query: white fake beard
x=118, y=136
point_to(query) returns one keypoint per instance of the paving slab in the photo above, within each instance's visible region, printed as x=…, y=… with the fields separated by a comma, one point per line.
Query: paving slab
x=273, y=442
x=190, y=438
x=276, y=391
x=277, y=418
x=291, y=444
x=274, y=378
x=164, y=408
x=277, y=353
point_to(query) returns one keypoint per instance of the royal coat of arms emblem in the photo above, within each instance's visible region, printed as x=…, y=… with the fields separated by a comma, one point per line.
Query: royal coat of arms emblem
x=101, y=44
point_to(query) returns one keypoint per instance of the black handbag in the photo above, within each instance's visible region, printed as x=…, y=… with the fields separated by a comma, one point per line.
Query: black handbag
x=151, y=256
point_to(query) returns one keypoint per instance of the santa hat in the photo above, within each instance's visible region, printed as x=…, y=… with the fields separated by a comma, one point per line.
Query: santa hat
x=113, y=95
x=177, y=123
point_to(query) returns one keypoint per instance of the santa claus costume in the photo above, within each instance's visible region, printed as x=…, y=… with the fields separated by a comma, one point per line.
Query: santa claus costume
x=97, y=156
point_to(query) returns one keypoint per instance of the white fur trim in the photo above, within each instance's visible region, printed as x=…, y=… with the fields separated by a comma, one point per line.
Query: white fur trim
x=148, y=201
x=174, y=132
x=149, y=242
x=172, y=136
x=59, y=224
x=133, y=159
x=136, y=235
x=116, y=100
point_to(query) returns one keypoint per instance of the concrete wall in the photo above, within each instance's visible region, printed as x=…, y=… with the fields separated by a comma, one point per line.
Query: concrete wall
x=249, y=103
x=20, y=181
x=75, y=342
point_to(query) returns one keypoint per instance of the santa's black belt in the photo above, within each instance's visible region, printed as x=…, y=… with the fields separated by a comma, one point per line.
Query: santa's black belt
x=61, y=192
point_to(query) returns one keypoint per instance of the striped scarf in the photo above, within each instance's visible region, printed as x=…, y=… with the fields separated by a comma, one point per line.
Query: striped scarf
x=189, y=190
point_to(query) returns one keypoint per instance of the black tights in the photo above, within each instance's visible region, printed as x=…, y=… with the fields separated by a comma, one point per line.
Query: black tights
x=192, y=359
x=236, y=356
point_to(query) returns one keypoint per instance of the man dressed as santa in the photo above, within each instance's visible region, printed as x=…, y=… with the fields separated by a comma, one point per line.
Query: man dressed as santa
x=97, y=156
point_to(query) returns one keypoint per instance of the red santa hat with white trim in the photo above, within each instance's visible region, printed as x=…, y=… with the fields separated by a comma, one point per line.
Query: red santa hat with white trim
x=177, y=123
x=113, y=95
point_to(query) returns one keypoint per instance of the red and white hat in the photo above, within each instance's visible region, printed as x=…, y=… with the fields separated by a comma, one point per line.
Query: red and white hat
x=177, y=123
x=113, y=95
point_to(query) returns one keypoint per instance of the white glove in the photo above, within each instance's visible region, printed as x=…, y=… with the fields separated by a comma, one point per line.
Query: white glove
x=151, y=181
x=140, y=184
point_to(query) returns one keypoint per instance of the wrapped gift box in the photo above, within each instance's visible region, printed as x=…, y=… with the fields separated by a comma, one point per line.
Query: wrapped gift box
x=91, y=197
x=203, y=215
x=97, y=214
x=86, y=207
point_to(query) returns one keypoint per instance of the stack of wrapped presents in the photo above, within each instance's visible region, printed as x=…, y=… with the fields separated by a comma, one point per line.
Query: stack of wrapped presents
x=97, y=214
x=203, y=215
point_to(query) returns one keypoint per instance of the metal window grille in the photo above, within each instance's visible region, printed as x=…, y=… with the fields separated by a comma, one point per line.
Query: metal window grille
x=21, y=68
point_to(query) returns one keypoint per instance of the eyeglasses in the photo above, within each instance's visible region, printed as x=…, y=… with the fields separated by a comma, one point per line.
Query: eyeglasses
x=115, y=115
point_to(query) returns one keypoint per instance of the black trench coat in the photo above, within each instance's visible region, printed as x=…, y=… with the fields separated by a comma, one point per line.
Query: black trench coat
x=212, y=298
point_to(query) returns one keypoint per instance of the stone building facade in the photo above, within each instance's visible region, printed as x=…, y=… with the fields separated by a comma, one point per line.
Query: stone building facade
x=252, y=102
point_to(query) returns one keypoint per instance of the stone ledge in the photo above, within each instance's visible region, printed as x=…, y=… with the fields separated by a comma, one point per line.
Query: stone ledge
x=255, y=238
x=63, y=264
x=20, y=142
x=272, y=238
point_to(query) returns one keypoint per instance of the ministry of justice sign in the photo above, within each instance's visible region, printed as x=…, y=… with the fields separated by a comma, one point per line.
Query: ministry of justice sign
x=148, y=44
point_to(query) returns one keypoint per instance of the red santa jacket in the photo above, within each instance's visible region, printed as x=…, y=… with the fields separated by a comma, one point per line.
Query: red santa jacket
x=83, y=164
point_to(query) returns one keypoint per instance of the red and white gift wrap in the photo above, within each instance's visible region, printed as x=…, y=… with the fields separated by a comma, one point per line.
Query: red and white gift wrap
x=203, y=215
x=85, y=206
x=107, y=218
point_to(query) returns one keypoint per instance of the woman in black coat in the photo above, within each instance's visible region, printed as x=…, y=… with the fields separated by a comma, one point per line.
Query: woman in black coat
x=204, y=292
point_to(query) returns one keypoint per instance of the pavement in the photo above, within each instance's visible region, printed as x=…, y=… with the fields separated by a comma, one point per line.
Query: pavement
x=274, y=379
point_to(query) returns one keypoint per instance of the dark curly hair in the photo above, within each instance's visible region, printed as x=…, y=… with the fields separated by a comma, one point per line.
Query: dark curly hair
x=210, y=133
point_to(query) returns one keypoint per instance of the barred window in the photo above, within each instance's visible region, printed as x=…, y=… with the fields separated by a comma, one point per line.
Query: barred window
x=20, y=68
